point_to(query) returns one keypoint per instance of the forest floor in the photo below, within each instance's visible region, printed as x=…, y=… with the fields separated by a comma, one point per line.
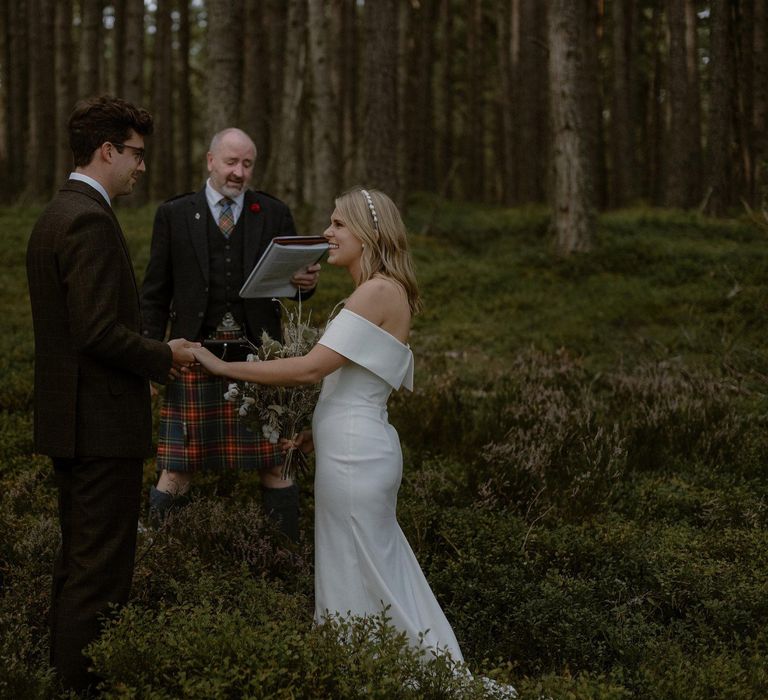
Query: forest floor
x=585, y=483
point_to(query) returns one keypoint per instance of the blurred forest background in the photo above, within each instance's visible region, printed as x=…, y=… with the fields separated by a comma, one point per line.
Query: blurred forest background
x=584, y=104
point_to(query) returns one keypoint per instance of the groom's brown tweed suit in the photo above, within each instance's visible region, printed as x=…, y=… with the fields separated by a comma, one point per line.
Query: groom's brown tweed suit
x=92, y=408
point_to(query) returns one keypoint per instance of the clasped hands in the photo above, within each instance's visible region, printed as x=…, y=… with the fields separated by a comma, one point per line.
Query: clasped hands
x=183, y=356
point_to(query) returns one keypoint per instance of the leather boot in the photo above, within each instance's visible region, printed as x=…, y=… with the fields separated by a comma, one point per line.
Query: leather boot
x=161, y=503
x=282, y=507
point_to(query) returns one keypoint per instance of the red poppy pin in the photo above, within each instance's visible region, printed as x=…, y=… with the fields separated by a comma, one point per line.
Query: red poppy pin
x=255, y=207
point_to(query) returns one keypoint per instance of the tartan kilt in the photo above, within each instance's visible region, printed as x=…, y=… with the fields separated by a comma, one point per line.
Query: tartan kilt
x=201, y=431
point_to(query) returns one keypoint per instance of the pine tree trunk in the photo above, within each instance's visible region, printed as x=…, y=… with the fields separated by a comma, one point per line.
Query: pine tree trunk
x=161, y=174
x=571, y=187
x=472, y=137
x=349, y=93
x=591, y=102
x=654, y=173
x=744, y=65
x=282, y=175
x=134, y=46
x=623, y=166
x=224, y=65
x=186, y=177
x=89, y=66
x=417, y=115
x=256, y=94
x=118, y=47
x=275, y=23
x=18, y=110
x=5, y=77
x=505, y=157
x=406, y=114
x=683, y=143
x=694, y=98
x=720, y=113
x=380, y=97
x=533, y=103
x=66, y=83
x=448, y=157
x=42, y=107
x=760, y=102
x=323, y=168
x=133, y=52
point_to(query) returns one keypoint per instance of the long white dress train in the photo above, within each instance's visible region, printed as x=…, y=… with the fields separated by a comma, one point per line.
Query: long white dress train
x=363, y=561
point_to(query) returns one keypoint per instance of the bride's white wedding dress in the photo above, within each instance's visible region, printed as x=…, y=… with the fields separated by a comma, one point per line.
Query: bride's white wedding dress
x=363, y=561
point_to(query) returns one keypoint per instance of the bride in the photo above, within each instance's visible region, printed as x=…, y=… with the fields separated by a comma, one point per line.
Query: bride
x=363, y=562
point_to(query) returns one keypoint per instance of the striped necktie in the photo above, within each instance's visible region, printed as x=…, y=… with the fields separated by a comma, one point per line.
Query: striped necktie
x=226, y=219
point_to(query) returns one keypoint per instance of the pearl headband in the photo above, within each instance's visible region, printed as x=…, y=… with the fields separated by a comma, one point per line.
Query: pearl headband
x=375, y=218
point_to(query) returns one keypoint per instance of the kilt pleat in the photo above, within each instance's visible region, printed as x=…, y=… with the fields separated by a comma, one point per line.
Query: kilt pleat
x=200, y=430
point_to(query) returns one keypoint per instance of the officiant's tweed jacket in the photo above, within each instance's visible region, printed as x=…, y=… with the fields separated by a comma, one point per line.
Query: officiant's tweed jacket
x=92, y=364
x=176, y=284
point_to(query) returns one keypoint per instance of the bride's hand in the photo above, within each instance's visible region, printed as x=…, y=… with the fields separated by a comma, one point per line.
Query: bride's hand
x=209, y=361
x=302, y=441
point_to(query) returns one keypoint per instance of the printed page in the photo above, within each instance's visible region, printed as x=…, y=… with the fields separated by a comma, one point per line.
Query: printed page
x=281, y=260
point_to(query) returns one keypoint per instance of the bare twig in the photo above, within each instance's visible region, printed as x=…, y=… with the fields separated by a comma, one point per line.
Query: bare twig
x=527, y=534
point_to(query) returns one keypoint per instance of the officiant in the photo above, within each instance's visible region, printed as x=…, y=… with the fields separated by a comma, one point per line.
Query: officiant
x=204, y=244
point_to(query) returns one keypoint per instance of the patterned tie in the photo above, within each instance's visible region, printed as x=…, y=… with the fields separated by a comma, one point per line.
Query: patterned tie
x=226, y=219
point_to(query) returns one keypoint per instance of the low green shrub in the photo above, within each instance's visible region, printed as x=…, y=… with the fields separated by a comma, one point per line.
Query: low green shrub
x=596, y=596
x=257, y=642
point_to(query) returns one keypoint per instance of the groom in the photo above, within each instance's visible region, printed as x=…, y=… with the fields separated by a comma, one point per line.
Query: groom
x=92, y=366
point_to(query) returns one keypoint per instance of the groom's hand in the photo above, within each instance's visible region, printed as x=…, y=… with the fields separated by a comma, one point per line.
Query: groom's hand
x=182, y=355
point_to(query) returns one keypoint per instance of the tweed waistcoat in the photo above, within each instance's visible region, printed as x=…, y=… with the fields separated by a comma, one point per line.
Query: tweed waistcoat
x=225, y=257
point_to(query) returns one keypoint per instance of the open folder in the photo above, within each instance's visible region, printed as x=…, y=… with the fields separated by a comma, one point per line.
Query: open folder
x=283, y=258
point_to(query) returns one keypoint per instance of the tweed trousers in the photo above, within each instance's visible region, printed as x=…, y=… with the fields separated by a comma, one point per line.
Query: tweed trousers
x=99, y=501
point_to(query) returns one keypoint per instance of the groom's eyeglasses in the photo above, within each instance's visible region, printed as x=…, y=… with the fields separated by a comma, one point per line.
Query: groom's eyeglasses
x=138, y=153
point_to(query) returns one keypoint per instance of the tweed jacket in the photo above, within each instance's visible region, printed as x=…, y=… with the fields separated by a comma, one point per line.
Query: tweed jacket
x=92, y=364
x=176, y=283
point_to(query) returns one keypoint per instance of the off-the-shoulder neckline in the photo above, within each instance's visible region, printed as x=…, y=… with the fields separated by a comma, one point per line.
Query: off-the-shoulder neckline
x=371, y=323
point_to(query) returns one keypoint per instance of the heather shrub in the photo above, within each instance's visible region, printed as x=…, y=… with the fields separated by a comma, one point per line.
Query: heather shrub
x=530, y=429
x=219, y=534
x=28, y=537
x=670, y=413
x=548, y=430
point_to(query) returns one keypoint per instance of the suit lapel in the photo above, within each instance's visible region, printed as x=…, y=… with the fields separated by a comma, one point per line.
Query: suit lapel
x=197, y=220
x=127, y=252
x=253, y=231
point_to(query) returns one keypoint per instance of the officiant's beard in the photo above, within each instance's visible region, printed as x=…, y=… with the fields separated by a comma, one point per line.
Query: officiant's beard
x=233, y=188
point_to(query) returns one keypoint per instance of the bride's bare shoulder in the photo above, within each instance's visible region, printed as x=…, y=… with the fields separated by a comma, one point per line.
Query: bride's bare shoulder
x=379, y=290
x=379, y=299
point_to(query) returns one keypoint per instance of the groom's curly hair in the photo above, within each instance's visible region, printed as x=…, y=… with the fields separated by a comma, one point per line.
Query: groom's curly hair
x=98, y=120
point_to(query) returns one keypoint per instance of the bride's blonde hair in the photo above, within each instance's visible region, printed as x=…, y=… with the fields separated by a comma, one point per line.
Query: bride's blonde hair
x=375, y=220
